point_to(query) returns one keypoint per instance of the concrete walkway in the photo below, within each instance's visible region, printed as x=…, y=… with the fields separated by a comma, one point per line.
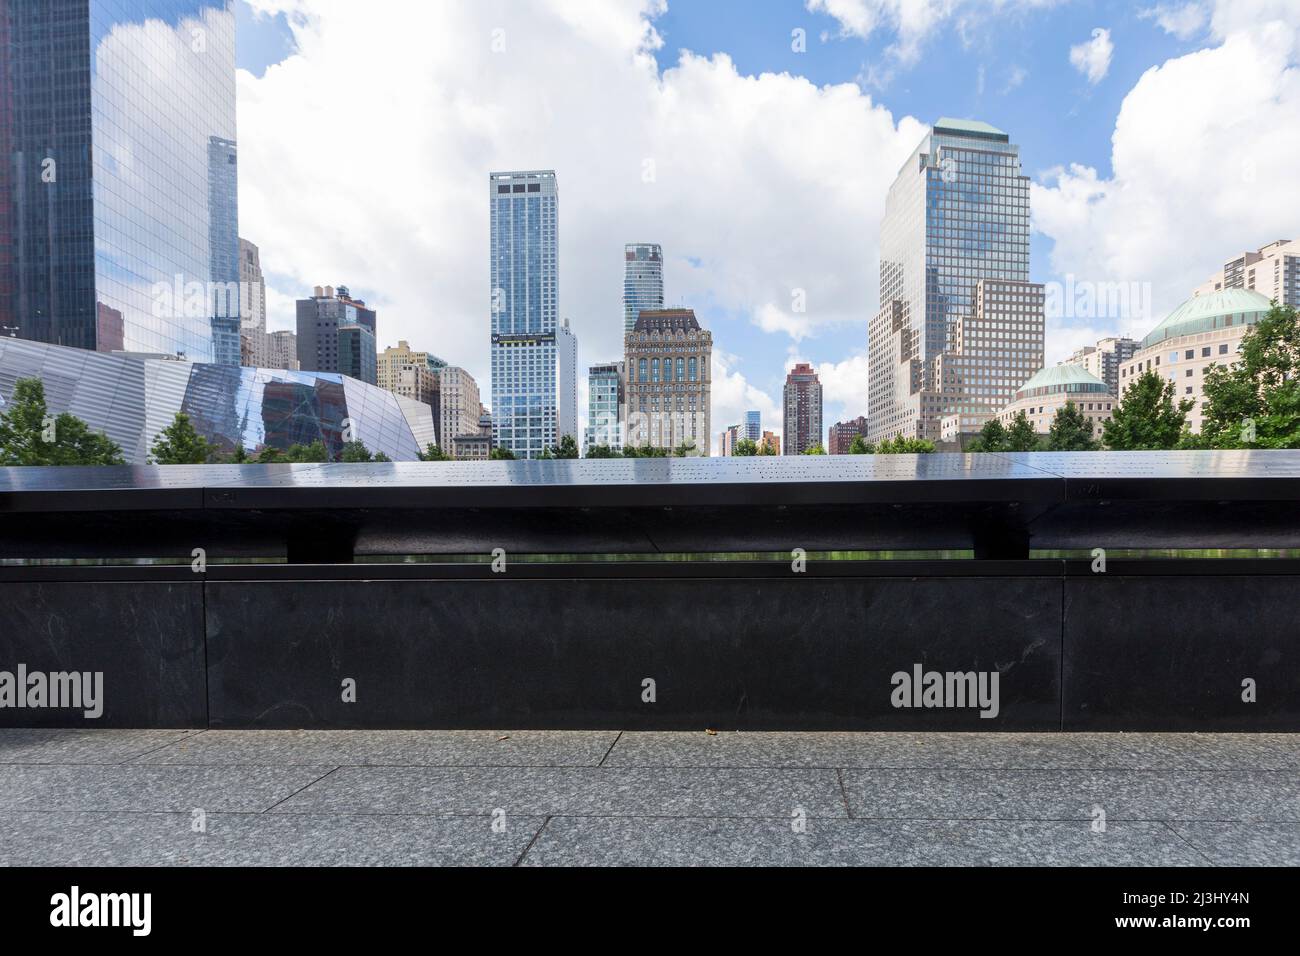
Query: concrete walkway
x=537, y=798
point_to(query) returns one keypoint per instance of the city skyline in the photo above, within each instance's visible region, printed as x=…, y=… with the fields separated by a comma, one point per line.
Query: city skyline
x=792, y=193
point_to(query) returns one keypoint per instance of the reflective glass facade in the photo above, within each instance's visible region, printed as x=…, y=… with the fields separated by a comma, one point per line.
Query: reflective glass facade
x=132, y=398
x=958, y=212
x=530, y=352
x=118, y=199
x=643, y=281
x=604, y=401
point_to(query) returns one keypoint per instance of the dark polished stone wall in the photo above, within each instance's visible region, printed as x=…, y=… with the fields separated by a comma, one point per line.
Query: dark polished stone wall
x=1171, y=652
x=727, y=648
x=723, y=653
x=145, y=638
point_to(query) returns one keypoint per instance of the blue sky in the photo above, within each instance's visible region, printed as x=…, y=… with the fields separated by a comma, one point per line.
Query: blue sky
x=1008, y=63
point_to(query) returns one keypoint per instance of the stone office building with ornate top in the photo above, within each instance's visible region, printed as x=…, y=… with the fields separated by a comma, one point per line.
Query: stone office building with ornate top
x=667, y=381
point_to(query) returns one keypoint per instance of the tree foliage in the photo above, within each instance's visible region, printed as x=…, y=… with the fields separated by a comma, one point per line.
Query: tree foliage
x=180, y=444
x=1071, y=430
x=355, y=452
x=1021, y=435
x=1147, y=418
x=1255, y=402
x=905, y=446
x=992, y=437
x=645, y=451
x=860, y=446
x=745, y=448
x=29, y=435
x=433, y=453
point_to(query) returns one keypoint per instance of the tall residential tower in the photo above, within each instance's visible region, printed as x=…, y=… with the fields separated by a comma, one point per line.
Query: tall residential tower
x=534, y=356
x=802, y=420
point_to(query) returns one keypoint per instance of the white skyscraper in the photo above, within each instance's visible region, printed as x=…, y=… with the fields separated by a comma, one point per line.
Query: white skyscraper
x=534, y=359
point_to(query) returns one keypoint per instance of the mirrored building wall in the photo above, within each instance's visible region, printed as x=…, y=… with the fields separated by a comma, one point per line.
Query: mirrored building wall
x=117, y=173
x=132, y=397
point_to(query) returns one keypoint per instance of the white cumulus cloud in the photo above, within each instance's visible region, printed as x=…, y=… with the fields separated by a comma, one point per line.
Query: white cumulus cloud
x=364, y=159
x=1092, y=57
x=1202, y=166
x=1183, y=21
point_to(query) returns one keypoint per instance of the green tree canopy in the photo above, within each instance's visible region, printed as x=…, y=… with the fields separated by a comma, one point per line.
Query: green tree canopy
x=1021, y=435
x=603, y=451
x=860, y=446
x=1071, y=430
x=1255, y=402
x=315, y=452
x=905, y=446
x=501, y=454
x=1146, y=418
x=645, y=451
x=433, y=453
x=180, y=444
x=766, y=448
x=567, y=448
x=355, y=452
x=816, y=449
x=992, y=437
x=30, y=436
x=745, y=448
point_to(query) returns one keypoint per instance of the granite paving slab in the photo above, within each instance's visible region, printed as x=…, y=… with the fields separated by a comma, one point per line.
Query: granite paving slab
x=601, y=791
x=139, y=787
x=692, y=841
x=399, y=748
x=238, y=839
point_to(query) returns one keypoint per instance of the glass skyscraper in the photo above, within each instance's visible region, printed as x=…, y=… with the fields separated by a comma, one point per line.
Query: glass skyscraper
x=534, y=356
x=753, y=425
x=643, y=281
x=118, y=215
x=604, y=405
x=958, y=212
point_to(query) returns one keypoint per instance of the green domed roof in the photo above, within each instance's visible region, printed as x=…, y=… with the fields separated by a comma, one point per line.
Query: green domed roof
x=1214, y=310
x=1061, y=378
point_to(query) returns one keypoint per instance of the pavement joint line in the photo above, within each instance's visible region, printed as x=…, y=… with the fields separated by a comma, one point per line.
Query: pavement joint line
x=536, y=836
x=135, y=762
x=610, y=750
x=778, y=818
x=844, y=793
x=1169, y=825
x=301, y=789
x=170, y=743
